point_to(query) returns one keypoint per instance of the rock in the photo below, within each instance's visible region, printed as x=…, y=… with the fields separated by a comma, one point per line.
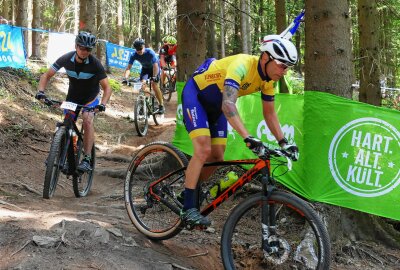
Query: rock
x=115, y=231
x=45, y=241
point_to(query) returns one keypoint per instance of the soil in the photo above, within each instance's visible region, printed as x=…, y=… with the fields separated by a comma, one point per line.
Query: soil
x=95, y=232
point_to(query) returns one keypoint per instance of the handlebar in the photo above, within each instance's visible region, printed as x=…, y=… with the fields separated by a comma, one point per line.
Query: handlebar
x=278, y=152
x=52, y=102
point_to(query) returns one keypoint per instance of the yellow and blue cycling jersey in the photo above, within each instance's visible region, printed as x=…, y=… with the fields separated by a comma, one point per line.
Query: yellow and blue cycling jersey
x=202, y=94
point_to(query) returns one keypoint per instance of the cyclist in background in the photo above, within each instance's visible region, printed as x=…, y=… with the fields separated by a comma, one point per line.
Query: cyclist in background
x=167, y=55
x=150, y=69
x=85, y=72
x=208, y=101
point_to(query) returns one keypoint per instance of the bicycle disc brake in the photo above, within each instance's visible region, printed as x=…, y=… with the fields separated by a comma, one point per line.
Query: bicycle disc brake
x=276, y=250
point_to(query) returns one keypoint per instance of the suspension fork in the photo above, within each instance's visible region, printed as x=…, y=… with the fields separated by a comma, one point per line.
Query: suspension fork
x=268, y=217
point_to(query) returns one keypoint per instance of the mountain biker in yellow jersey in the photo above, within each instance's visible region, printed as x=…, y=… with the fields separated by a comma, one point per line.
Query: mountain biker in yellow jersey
x=150, y=69
x=208, y=101
x=167, y=55
x=84, y=72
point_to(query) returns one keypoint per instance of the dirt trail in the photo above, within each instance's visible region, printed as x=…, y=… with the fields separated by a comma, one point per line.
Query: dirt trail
x=86, y=233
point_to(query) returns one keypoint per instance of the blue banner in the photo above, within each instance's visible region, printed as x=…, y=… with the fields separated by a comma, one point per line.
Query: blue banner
x=118, y=56
x=12, y=52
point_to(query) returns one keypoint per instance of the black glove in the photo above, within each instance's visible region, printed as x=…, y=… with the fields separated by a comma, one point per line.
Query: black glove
x=255, y=145
x=156, y=79
x=293, y=150
x=40, y=95
x=101, y=107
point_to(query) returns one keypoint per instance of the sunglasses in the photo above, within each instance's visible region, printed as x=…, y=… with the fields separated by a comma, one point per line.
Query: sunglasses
x=84, y=48
x=281, y=64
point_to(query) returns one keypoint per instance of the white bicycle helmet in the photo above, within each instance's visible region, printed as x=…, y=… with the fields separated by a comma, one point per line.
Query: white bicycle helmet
x=280, y=49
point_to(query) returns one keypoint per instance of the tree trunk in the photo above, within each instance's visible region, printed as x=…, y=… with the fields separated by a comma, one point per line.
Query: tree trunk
x=222, y=26
x=36, y=23
x=368, y=24
x=120, y=24
x=59, y=15
x=328, y=52
x=87, y=20
x=76, y=17
x=281, y=24
x=211, y=40
x=101, y=28
x=146, y=23
x=5, y=11
x=22, y=19
x=156, y=8
x=191, y=36
x=237, y=48
x=243, y=27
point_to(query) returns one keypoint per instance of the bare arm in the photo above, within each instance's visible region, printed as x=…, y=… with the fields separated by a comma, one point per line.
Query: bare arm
x=162, y=60
x=127, y=71
x=272, y=120
x=44, y=79
x=155, y=69
x=229, y=98
x=105, y=85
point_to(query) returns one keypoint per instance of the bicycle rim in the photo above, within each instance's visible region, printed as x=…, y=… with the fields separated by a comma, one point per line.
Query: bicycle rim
x=141, y=120
x=83, y=182
x=167, y=90
x=53, y=165
x=150, y=216
x=301, y=238
x=158, y=118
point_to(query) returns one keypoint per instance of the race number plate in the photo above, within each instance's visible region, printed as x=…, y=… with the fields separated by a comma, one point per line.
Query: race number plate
x=68, y=105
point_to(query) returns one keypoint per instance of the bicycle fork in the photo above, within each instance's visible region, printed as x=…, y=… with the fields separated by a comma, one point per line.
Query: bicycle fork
x=270, y=243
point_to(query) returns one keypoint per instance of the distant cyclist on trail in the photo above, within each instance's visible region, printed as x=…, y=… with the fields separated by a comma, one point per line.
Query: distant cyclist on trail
x=150, y=69
x=85, y=72
x=208, y=101
x=167, y=55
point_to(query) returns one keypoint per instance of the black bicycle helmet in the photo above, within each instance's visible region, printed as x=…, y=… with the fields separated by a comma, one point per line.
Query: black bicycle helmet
x=138, y=43
x=86, y=39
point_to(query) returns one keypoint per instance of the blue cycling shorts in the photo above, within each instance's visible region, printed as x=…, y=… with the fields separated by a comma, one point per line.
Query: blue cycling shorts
x=201, y=119
x=74, y=114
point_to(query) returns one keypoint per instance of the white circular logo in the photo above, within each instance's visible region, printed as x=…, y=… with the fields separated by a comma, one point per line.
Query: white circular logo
x=364, y=157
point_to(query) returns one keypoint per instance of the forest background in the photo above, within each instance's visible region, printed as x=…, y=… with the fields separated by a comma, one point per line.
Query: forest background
x=347, y=48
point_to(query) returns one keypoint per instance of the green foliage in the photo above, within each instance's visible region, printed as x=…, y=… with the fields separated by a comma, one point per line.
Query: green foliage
x=115, y=86
x=43, y=70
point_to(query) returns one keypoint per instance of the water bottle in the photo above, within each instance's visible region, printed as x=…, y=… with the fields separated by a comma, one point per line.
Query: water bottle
x=224, y=183
x=75, y=141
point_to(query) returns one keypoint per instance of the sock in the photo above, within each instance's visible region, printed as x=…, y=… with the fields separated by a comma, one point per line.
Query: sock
x=87, y=157
x=189, y=199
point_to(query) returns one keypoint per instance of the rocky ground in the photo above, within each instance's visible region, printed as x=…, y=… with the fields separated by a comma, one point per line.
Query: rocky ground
x=95, y=232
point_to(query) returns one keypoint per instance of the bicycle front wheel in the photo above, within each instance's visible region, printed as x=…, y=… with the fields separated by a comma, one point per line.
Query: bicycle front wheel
x=53, y=165
x=300, y=241
x=158, y=118
x=156, y=218
x=83, y=182
x=141, y=120
x=168, y=88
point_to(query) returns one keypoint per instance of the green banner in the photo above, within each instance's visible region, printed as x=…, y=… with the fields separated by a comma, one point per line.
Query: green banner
x=349, y=151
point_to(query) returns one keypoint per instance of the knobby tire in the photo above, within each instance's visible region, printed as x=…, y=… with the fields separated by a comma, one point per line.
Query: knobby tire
x=297, y=225
x=152, y=217
x=53, y=165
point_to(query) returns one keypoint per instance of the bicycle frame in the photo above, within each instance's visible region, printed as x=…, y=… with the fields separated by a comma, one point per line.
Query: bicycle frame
x=260, y=165
x=69, y=146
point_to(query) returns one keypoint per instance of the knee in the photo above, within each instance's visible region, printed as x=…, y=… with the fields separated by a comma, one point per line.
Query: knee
x=203, y=153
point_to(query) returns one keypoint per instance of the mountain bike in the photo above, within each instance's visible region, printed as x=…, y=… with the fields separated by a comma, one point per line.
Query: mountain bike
x=66, y=152
x=169, y=85
x=146, y=105
x=270, y=228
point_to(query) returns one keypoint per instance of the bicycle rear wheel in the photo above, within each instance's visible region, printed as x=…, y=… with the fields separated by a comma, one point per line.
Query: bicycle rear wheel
x=83, y=182
x=53, y=165
x=301, y=239
x=157, y=219
x=141, y=120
